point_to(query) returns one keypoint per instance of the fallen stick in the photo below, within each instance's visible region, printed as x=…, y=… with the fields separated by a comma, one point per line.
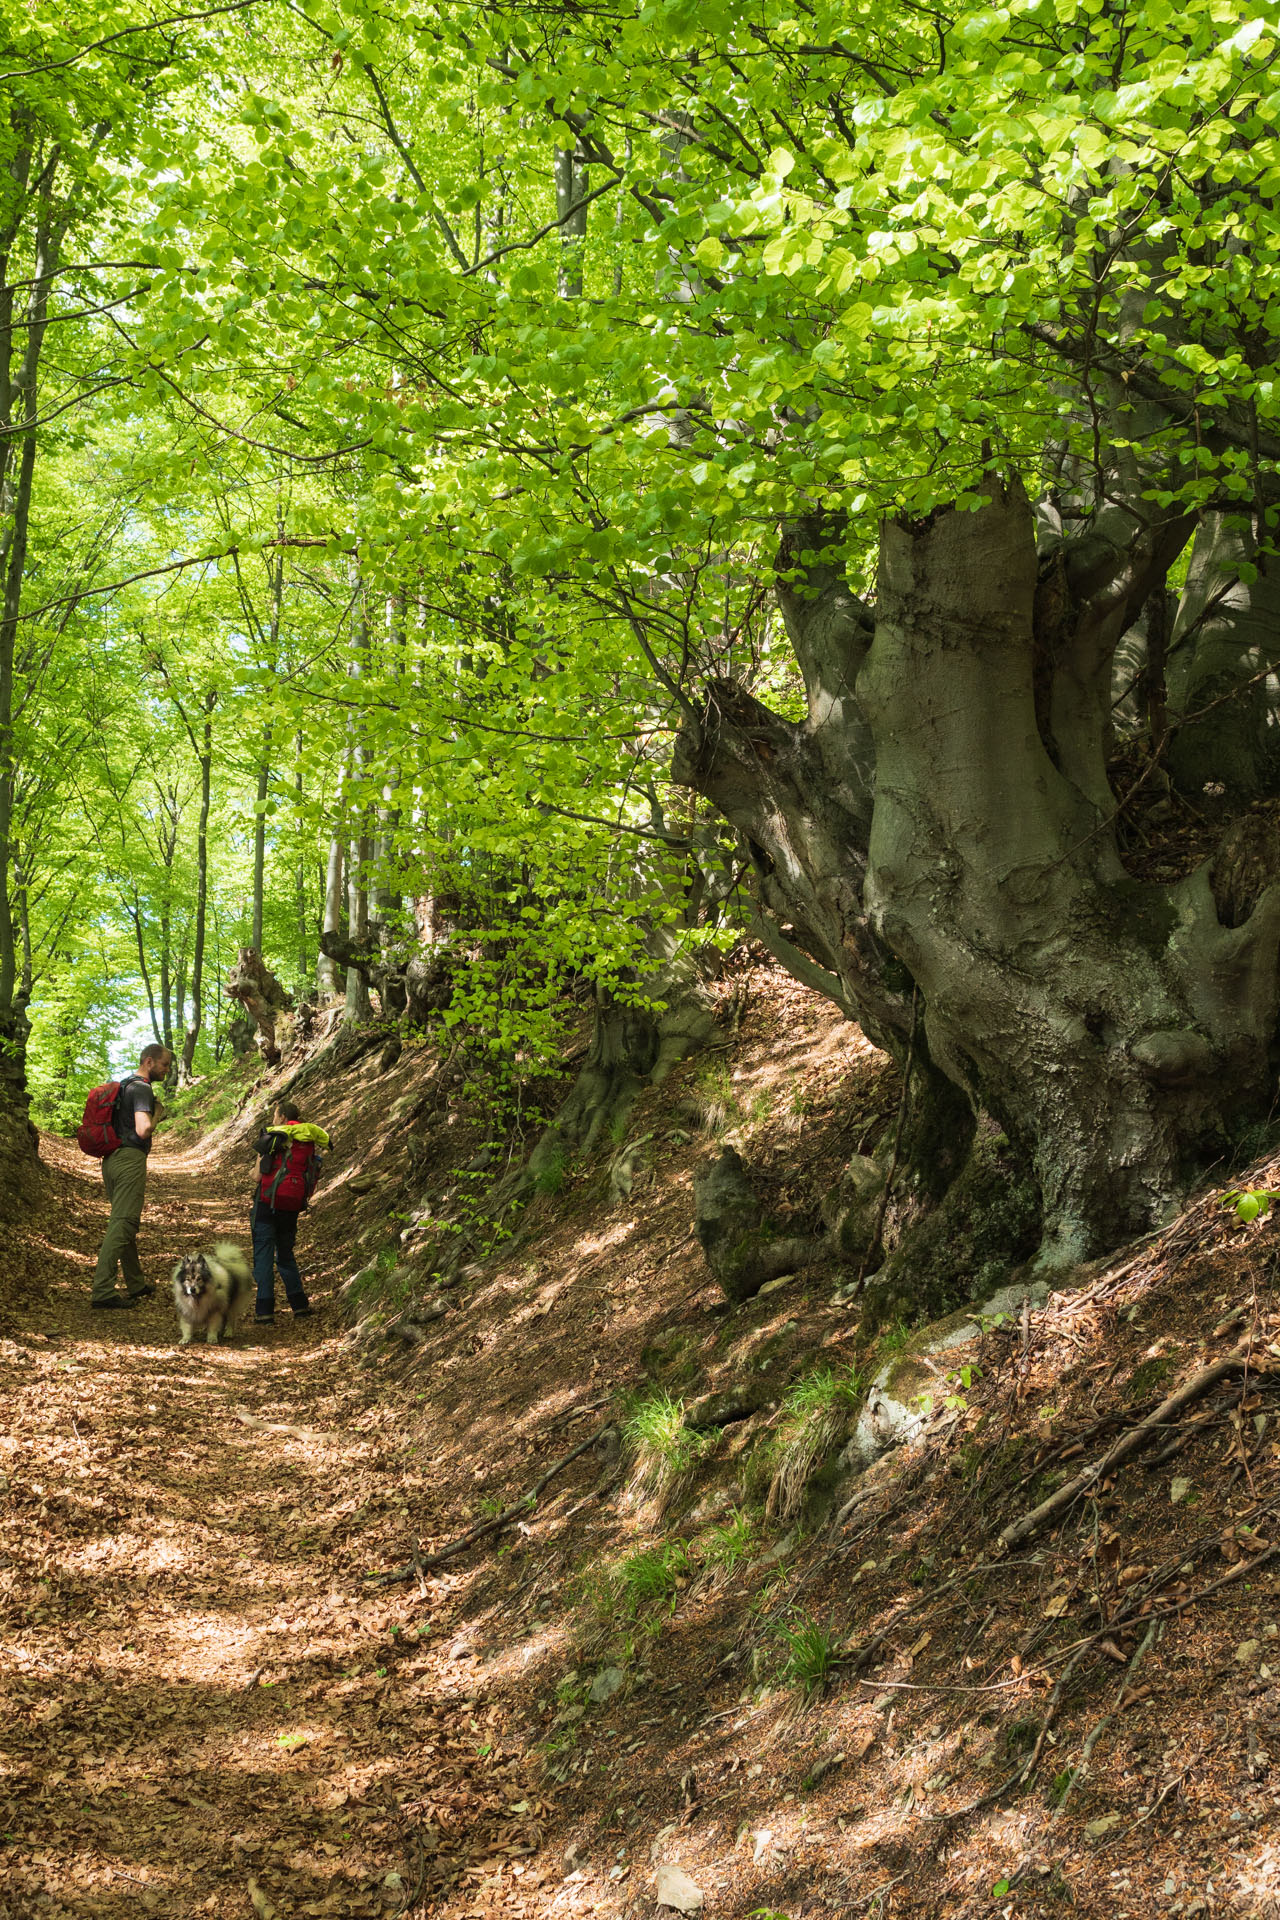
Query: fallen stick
x=1077, y=1773
x=1137, y=1437
x=425, y=1563
x=280, y=1426
x=1187, y=1433
x=1027, y=1767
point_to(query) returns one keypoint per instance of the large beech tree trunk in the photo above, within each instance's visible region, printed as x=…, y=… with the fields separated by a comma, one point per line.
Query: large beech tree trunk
x=1115, y=1029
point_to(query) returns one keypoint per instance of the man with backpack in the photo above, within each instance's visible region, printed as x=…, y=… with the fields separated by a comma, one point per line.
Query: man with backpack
x=117, y=1128
x=288, y=1167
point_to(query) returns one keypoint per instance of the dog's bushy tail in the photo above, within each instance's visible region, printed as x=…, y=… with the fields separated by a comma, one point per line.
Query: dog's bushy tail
x=232, y=1257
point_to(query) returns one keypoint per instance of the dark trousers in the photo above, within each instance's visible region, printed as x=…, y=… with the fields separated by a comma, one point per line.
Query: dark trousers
x=273, y=1237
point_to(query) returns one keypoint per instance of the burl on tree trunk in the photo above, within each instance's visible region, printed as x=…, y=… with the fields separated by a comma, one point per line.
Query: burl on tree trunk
x=941, y=826
x=253, y=984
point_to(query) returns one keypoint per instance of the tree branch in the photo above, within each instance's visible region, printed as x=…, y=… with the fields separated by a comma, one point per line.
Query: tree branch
x=146, y=26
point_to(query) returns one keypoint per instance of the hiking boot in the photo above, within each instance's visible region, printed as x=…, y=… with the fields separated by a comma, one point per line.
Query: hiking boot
x=146, y=1291
x=300, y=1313
x=263, y=1319
x=112, y=1300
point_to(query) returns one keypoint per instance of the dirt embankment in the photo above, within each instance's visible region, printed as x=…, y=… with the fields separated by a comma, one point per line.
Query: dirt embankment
x=707, y=1646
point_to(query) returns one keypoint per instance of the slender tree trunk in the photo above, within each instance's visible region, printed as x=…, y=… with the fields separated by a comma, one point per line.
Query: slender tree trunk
x=572, y=186
x=264, y=763
x=300, y=878
x=134, y=911
x=166, y=981
x=202, y=892
x=387, y=899
x=260, y=835
x=219, y=1001
x=360, y=851
x=326, y=972
x=358, y=1007
x=48, y=240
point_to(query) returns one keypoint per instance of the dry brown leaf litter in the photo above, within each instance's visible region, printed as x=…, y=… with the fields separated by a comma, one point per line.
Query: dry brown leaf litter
x=207, y=1706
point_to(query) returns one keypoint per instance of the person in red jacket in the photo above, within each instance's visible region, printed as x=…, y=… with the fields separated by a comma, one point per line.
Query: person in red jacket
x=288, y=1167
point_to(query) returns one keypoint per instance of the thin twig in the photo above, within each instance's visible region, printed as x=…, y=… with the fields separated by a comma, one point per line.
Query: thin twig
x=425, y=1563
x=1024, y=1771
x=1078, y=1773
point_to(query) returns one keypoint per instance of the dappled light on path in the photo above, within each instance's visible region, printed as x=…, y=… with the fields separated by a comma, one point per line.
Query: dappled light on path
x=195, y=1686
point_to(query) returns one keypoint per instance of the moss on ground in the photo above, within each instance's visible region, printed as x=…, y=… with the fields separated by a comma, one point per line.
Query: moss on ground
x=987, y=1225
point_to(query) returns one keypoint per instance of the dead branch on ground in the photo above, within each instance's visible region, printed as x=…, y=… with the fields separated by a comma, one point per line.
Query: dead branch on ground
x=425, y=1563
x=1237, y=1360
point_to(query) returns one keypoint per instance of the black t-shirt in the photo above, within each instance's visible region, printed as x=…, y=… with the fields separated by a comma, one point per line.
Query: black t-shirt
x=136, y=1096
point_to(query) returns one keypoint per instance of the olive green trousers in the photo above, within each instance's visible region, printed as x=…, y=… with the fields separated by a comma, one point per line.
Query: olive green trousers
x=124, y=1175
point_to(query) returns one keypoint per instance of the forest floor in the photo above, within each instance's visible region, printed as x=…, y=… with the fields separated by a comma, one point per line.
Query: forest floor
x=207, y=1706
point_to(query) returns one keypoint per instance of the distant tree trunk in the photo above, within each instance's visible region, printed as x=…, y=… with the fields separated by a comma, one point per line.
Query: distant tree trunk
x=326, y=972
x=264, y=762
x=572, y=186
x=358, y=1007
x=202, y=891
x=360, y=853
x=219, y=1034
x=260, y=835
x=335, y=873
x=134, y=910
x=387, y=900
x=304, y=959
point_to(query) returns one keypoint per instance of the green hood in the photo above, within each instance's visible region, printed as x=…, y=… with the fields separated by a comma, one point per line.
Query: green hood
x=301, y=1130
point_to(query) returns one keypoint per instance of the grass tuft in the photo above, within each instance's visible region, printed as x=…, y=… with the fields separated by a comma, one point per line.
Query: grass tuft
x=663, y=1447
x=552, y=1172
x=814, y=1411
x=638, y=1583
x=733, y=1541
x=810, y=1651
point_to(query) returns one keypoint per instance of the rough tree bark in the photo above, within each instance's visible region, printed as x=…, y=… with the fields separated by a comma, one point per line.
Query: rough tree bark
x=942, y=821
x=252, y=983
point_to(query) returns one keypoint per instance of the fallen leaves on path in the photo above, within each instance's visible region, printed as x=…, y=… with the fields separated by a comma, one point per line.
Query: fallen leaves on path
x=202, y=1711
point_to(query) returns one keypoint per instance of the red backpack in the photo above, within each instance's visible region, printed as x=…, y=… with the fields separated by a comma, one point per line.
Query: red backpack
x=291, y=1179
x=96, y=1133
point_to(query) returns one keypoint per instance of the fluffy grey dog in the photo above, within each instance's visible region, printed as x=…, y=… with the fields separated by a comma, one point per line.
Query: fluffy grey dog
x=210, y=1291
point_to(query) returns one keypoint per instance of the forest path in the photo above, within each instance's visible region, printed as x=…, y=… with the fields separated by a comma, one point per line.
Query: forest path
x=197, y=1715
